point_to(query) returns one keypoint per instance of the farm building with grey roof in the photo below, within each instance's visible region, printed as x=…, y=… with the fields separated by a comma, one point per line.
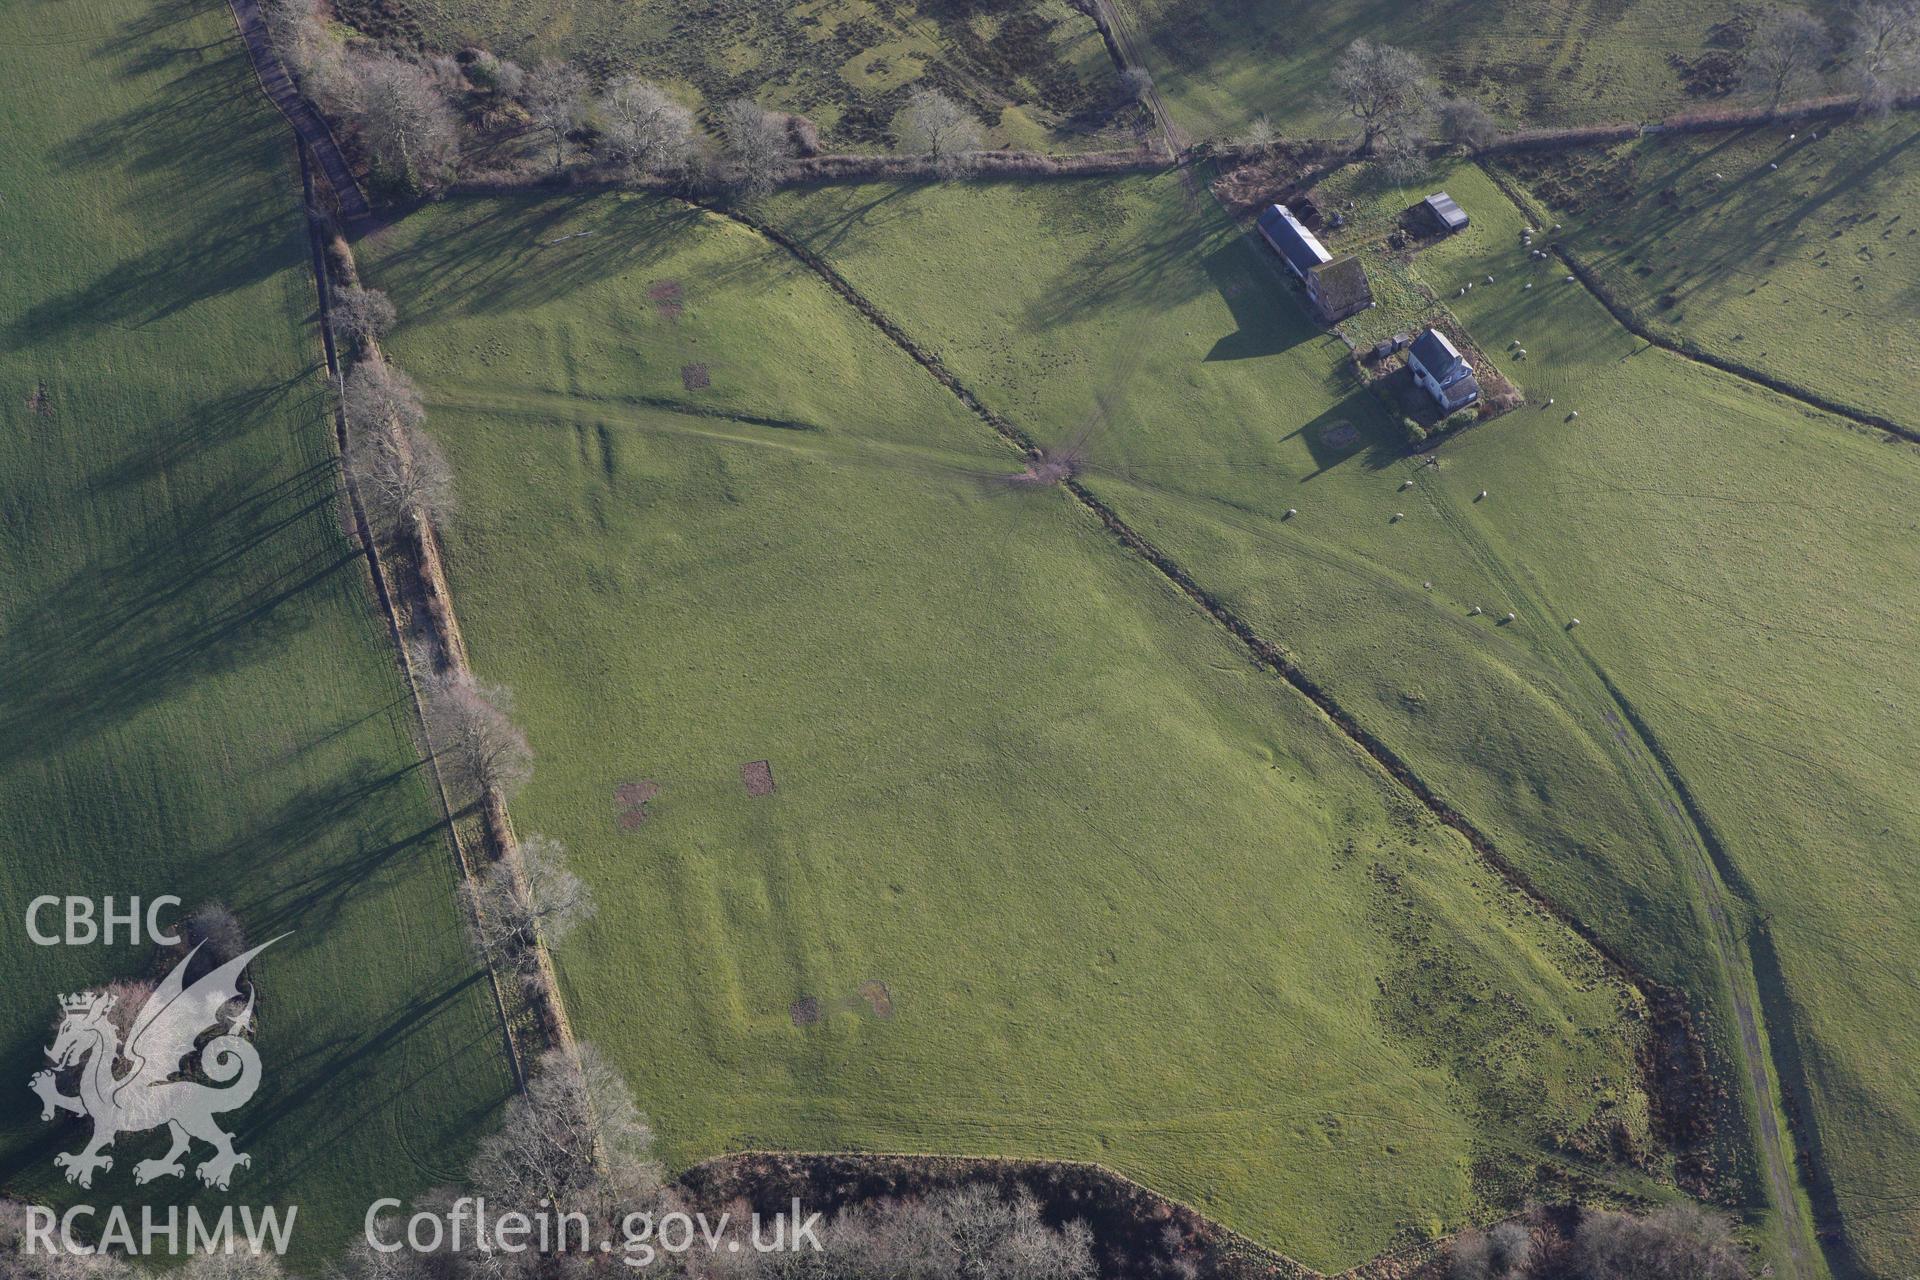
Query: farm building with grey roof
x=1337, y=287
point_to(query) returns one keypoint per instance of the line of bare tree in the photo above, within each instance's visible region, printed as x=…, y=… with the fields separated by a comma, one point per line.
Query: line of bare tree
x=1872, y=51
x=407, y=113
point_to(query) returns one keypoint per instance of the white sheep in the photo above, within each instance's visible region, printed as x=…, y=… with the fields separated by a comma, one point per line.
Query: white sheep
x=1482, y=497
x=1573, y=622
x=1291, y=513
x=1405, y=485
x=1509, y=617
x=1399, y=515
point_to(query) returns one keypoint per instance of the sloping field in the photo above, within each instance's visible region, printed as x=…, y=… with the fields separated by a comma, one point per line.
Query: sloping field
x=197, y=698
x=1047, y=869
x=1809, y=271
x=1737, y=563
x=1219, y=63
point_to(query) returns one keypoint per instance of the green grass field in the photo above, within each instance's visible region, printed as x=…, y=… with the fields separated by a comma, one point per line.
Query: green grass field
x=1741, y=568
x=1128, y=898
x=1219, y=63
x=1037, y=74
x=198, y=698
x=1807, y=271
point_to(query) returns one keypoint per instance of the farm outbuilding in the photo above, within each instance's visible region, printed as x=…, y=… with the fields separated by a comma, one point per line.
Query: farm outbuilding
x=1297, y=246
x=1337, y=287
x=1445, y=212
x=1438, y=366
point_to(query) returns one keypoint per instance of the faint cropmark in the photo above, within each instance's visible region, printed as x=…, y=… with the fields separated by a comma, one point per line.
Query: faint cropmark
x=133, y=1084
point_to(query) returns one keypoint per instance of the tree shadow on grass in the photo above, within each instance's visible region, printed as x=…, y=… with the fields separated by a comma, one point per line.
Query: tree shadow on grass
x=500, y=255
x=130, y=627
x=205, y=429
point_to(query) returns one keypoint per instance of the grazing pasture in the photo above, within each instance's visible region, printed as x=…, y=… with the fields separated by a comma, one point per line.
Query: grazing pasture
x=1219, y=63
x=1038, y=75
x=827, y=705
x=198, y=698
x=1722, y=730
x=1791, y=249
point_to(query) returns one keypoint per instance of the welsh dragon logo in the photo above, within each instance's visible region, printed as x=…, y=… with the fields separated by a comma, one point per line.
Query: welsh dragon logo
x=133, y=1086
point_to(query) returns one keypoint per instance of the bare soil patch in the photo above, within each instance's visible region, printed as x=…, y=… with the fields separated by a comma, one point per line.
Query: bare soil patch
x=631, y=798
x=757, y=777
x=694, y=377
x=805, y=1011
x=878, y=998
x=667, y=299
x=38, y=402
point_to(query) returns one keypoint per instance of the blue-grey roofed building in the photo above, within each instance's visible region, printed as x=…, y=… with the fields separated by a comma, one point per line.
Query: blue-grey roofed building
x=1337, y=287
x=1448, y=214
x=1438, y=366
x=1292, y=241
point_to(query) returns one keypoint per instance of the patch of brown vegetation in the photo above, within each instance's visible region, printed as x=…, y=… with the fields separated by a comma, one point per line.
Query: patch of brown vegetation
x=632, y=799
x=38, y=402
x=667, y=299
x=1281, y=175
x=694, y=377
x=805, y=1011
x=878, y=998
x=757, y=777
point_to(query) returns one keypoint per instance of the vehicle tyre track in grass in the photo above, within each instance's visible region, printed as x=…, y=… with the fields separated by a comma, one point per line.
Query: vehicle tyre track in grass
x=1706, y=859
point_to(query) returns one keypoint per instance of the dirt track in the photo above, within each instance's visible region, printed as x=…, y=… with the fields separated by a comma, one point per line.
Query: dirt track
x=307, y=122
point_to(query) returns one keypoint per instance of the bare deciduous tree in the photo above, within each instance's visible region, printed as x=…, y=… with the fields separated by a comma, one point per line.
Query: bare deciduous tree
x=756, y=146
x=400, y=473
x=361, y=314
x=1784, y=51
x=937, y=126
x=1386, y=89
x=1261, y=135
x=362, y=1261
x=540, y=899
x=20, y=1262
x=555, y=94
x=1680, y=1242
x=410, y=130
x=241, y=1263
x=646, y=131
x=375, y=392
x=478, y=746
x=575, y=1138
x=958, y=1233
x=1883, y=50
x=1465, y=121
x=1499, y=1254
x=1136, y=83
